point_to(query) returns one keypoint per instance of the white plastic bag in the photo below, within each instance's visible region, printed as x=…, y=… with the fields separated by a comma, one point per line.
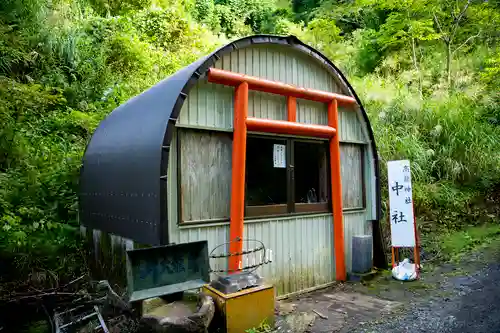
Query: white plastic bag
x=405, y=271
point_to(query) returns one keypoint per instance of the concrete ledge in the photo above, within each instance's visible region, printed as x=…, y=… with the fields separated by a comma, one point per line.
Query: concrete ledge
x=356, y=277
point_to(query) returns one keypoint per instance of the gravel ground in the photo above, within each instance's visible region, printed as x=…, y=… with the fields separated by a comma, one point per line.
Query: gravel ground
x=471, y=304
x=457, y=296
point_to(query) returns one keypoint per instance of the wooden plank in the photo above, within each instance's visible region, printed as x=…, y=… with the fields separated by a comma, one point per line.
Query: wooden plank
x=352, y=175
x=205, y=174
x=266, y=210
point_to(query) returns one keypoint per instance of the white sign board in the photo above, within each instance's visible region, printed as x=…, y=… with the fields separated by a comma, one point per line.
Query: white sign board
x=401, y=204
x=279, y=156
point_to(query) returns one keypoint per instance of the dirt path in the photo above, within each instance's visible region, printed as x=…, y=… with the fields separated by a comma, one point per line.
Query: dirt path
x=455, y=297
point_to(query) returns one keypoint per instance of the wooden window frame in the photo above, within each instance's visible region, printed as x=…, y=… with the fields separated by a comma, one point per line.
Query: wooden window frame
x=291, y=208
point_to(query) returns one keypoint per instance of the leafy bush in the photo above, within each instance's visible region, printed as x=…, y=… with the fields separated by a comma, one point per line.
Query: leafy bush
x=56, y=83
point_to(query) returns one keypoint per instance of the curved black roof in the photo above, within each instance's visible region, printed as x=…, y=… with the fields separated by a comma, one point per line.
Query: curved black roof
x=123, y=180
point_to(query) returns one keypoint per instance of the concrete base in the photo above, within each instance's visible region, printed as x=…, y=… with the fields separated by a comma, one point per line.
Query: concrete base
x=356, y=277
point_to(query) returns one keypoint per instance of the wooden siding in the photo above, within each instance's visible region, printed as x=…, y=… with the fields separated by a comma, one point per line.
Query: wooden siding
x=302, y=245
x=351, y=168
x=265, y=105
x=106, y=256
x=205, y=169
x=370, y=184
x=294, y=267
x=303, y=255
x=310, y=112
x=211, y=105
x=302, y=248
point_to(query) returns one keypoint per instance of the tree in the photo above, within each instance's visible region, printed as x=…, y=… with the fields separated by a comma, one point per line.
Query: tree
x=407, y=26
x=461, y=22
x=450, y=17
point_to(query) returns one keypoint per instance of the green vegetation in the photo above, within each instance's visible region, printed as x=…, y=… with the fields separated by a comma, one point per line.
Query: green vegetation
x=262, y=328
x=427, y=71
x=456, y=244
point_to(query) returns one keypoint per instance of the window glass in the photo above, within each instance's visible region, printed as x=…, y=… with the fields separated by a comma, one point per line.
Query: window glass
x=311, y=172
x=266, y=172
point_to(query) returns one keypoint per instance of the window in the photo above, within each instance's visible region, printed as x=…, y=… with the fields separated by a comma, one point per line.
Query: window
x=311, y=176
x=283, y=176
x=286, y=176
x=266, y=184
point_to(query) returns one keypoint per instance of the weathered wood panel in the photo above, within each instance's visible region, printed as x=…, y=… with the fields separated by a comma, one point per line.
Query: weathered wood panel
x=351, y=159
x=106, y=257
x=350, y=126
x=205, y=168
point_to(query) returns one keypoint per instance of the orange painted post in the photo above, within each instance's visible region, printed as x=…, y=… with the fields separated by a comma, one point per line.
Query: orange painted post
x=417, y=247
x=242, y=123
x=238, y=176
x=287, y=127
x=336, y=183
x=393, y=257
x=292, y=108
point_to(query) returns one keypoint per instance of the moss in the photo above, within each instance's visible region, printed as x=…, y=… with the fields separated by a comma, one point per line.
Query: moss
x=298, y=279
x=38, y=327
x=419, y=285
x=456, y=243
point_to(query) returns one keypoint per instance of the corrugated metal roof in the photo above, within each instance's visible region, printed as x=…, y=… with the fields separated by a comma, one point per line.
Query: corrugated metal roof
x=123, y=179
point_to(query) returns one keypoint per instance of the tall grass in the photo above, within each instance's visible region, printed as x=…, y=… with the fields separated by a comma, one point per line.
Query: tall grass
x=454, y=152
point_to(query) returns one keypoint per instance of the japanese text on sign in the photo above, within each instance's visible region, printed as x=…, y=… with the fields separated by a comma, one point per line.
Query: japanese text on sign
x=279, y=156
x=166, y=270
x=401, y=204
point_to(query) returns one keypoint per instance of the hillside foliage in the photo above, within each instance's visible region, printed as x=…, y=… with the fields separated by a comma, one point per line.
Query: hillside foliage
x=427, y=71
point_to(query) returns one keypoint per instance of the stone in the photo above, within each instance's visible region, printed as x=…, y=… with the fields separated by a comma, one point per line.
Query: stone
x=179, y=317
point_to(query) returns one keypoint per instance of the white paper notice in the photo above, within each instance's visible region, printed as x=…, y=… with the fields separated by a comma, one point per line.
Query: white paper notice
x=401, y=204
x=279, y=156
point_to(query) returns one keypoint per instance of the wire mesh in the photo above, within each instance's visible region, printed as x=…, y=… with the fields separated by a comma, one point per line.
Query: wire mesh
x=253, y=257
